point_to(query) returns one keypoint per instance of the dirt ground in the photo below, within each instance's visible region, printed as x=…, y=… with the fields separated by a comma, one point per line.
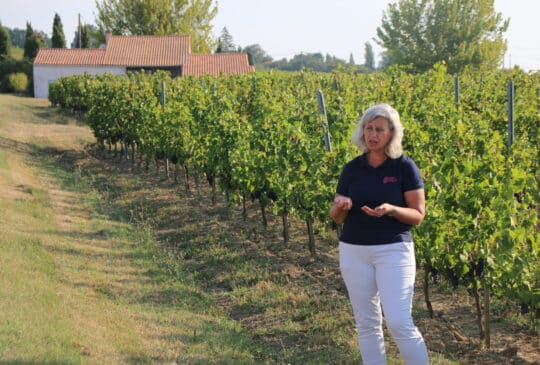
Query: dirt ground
x=453, y=332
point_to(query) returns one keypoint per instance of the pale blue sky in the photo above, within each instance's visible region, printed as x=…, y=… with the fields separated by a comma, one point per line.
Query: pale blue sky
x=284, y=28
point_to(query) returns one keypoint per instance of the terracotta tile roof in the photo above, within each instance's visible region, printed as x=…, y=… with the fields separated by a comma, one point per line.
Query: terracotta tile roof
x=214, y=64
x=64, y=56
x=147, y=50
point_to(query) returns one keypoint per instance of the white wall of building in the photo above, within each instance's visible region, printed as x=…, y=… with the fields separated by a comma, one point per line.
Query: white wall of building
x=45, y=74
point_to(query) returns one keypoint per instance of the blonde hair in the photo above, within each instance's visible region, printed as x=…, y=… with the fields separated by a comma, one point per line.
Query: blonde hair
x=393, y=149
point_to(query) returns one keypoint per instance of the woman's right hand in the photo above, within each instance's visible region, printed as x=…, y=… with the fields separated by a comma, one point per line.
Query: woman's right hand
x=343, y=202
x=340, y=208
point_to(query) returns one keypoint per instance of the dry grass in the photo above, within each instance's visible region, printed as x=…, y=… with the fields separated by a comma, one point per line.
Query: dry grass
x=77, y=283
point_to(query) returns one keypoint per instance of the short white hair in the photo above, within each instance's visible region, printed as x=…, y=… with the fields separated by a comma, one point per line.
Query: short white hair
x=393, y=149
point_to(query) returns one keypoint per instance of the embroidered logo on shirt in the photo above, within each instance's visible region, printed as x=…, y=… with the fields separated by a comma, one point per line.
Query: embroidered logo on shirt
x=389, y=179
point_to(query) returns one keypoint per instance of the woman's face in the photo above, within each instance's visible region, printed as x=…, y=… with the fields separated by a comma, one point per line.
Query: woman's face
x=377, y=134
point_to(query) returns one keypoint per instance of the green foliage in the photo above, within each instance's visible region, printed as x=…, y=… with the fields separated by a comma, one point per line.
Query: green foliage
x=11, y=66
x=369, y=56
x=33, y=42
x=257, y=55
x=71, y=92
x=5, y=43
x=28, y=47
x=32, y=46
x=160, y=17
x=91, y=37
x=85, y=37
x=196, y=22
x=84, y=40
x=259, y=135
x=17, y=37
x=225, y=42
x=459, y=33
x=18, y=82
x=16, y=53
x=58, y=37
x=311, y=61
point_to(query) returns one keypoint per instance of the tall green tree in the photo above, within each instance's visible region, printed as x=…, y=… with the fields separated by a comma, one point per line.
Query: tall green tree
x=91, y=37
x=351, y=60
x=369, y=56
x=225, y=42
x=31, y=42
x=17, y=37
x=5, y=43
x=58, y=37
x=84, y=40
x=257, y=55
x=27, y=35
x=196, y=21
x=160, y=17
x=459, y=33
x=85, y=37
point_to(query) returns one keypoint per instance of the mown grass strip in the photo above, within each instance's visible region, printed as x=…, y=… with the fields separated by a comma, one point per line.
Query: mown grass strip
x=142, y=279
x=78, y=282
x=33, y=326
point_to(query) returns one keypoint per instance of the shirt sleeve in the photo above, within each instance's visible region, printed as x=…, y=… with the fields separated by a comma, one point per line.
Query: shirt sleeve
x=412, y=179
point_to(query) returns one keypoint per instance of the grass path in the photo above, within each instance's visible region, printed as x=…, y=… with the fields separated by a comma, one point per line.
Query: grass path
x=76, y=286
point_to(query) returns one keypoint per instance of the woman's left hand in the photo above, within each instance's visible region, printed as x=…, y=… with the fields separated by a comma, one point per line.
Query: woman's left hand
x=412, y=214
x=383, y=209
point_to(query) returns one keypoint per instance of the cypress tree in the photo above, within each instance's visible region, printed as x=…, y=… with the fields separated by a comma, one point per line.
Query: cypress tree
x=27, y=40
x=85, y=39
x=33, y=42
x=58, y=37
x=369, y=56
x=5, y=43
x=85, y=36
x=226, y=43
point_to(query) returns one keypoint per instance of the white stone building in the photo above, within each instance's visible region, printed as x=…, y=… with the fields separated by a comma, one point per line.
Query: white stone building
x=123, y=54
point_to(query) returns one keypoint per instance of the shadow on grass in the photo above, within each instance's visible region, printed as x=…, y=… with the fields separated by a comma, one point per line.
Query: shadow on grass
x=205, y=257
x=15, y=146
x=165, y=283
x=46, y=114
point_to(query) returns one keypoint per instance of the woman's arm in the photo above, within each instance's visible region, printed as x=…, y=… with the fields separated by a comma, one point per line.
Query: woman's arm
x=412, y=214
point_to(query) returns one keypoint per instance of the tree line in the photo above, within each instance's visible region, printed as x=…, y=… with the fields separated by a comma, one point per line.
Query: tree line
x=415, y=34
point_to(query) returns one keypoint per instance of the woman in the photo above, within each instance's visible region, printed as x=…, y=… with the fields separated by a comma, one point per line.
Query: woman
x=380, y=196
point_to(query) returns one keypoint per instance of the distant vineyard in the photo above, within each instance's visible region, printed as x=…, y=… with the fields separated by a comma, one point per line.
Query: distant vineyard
x=261, y=137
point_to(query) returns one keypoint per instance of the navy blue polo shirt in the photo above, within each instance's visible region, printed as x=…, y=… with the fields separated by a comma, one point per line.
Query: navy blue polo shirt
x=373, y=186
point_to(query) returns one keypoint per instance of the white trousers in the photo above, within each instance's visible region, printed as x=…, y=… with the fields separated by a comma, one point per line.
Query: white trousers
x=383, y=275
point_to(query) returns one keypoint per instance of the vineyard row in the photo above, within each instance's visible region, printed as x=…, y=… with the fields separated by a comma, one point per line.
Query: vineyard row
x=261, y=136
